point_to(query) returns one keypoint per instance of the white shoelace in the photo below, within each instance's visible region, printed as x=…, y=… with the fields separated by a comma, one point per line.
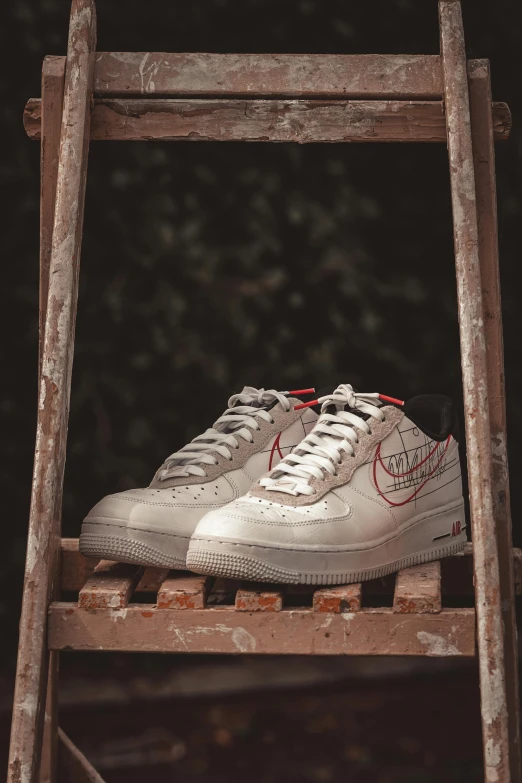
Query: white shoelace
x=322, y=450
x=236, y=422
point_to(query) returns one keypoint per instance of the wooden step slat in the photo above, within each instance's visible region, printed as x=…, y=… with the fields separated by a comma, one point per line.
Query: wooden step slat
x=259, y=599
x=418, y=589
x=110, y=586
x=343, y=598
x=267, y=120
x=291, y=631
x=268, y=75
x=183, y=591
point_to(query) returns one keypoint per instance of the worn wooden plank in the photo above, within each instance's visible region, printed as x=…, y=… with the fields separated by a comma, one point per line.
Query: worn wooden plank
x=183, y=591
x=33, y=659
x=485, y=182
x=125, y=119
x=343, y=598
x=224, y=630
x=258, y=598
x=418, y=589
x=266, y=75
x=110, y=586
x=53, y=78
x=476, y=409
x=73, y=767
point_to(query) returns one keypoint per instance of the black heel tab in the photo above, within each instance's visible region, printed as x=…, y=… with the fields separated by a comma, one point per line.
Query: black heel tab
x=434, y=414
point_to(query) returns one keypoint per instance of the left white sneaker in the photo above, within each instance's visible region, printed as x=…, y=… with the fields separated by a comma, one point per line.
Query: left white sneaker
x=375, y=487
x=151, y=526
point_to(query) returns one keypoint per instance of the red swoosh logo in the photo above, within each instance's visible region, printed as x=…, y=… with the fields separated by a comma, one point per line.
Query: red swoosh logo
x=378, y=458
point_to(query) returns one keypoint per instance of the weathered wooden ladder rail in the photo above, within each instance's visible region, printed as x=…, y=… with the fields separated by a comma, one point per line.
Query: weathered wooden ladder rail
x=73, y=604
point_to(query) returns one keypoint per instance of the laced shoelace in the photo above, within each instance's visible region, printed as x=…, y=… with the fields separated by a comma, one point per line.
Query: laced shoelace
x=237, y=422
x=334, y=435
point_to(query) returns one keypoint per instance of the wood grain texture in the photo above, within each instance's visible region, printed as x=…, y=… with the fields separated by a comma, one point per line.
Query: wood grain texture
x=482, y=135
x=53, y=78
x=73, y=767
x=224, y=630
x=418, y=589
x=475, y=387
x=344, y=598
x=268, y=75
x=33, y=658
x=183, y=591
x=296, y=121
x=110, y=586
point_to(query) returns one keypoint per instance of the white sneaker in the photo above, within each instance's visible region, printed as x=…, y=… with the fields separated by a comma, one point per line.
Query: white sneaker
x=372, y=489
x=153, y=526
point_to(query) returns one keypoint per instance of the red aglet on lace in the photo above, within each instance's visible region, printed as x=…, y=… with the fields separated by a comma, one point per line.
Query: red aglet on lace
x=305, y=405
x=384, y=398
x=300, y=391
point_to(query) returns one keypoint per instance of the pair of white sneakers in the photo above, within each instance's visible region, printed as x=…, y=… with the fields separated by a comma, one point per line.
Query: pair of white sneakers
x=276, y=492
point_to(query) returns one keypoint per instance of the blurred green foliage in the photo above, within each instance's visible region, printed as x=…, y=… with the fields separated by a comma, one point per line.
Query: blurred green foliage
x=209, y=266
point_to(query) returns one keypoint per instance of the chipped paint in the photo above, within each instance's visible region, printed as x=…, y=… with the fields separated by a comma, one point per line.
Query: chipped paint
x=54, y=392
x=437, y=645
x=117, y=614
x=353, y=76
x=476, y=401
x=243, y=640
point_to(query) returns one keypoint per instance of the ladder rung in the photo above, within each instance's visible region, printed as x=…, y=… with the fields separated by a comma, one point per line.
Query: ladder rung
x=418, y=589
x=123, y=119
x=144, y=628
x=284, y=75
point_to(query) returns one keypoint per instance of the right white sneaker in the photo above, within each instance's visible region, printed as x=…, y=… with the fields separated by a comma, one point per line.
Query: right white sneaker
x=373, y=488
x=153, y=526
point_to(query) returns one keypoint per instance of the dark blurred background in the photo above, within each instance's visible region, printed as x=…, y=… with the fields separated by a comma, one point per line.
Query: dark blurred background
x=206, y=267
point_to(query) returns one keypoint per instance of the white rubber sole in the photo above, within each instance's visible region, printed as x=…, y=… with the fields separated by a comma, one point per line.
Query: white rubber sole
x=428, y=539
x=112, y=541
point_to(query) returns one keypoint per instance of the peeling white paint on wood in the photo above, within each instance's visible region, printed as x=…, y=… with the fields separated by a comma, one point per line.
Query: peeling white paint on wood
x=437, y=645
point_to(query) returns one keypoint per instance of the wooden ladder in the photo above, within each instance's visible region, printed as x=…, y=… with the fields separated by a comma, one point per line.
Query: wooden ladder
x=277, y=98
